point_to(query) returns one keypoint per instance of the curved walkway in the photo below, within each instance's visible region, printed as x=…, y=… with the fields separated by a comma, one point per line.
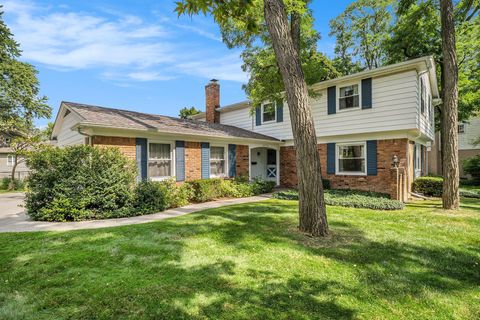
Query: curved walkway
x=14, y=219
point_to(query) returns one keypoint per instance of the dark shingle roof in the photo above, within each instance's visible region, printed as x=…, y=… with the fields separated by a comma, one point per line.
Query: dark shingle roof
x=116, y=118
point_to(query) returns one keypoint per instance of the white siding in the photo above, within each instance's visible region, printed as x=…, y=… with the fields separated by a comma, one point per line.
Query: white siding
x=66, y=136
x=472, y=132
x=394, y=107
x=426, y=125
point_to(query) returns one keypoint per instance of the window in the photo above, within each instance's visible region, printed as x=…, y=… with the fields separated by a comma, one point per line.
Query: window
x=159, y=160
x=217, y=161
x=351, y=158
x=268, y=112
x=349, y=97
x=10, y=160
x=461, y=128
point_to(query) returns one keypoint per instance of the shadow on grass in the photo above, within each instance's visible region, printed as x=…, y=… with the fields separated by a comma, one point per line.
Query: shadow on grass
x=152, y=270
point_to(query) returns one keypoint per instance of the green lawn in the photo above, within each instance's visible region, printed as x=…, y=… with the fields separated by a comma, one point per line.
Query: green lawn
x=249, y=262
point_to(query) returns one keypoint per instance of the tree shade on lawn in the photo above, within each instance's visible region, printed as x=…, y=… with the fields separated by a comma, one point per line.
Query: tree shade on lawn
x=250, y=262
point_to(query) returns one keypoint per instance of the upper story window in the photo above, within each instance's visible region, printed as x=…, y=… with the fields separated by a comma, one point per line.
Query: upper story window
x=217, y=161
x=269, y=113
x=159, y=160
x=461, y=128
x=348, y=97
x=10, y=160
x=351, y=158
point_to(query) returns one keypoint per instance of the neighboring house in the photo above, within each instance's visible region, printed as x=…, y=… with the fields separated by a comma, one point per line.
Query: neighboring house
x=373, y=130
x=7, y=158
x=468, y=132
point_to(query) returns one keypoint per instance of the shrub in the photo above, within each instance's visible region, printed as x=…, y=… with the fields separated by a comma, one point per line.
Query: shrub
x=79, y=182
x=326, y=184
x=206, y=190
x=262, y=186
x=469, y=194
x=210, y=189
x=429, y=186
x=472, y=166
x=18, y=184
x=150, y=197
x=350, y=198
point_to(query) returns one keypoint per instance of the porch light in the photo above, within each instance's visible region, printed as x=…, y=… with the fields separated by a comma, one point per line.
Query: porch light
x=395, y=161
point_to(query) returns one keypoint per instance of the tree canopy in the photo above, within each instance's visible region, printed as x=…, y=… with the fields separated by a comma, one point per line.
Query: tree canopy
x=20, y=99
x=186, y=112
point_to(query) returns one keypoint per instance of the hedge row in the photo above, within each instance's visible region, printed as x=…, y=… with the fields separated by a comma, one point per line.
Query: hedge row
x=350, y=198
x=82, y=182
x=433, y=187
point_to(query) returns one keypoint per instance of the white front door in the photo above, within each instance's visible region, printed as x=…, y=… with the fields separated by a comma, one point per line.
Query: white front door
x=258, y=163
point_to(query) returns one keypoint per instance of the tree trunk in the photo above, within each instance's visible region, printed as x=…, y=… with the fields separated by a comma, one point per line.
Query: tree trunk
x=11, y=184
x=451, y=198
x=313, y=217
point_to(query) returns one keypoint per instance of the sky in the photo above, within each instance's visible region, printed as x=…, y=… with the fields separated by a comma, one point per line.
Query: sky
x=133, y=54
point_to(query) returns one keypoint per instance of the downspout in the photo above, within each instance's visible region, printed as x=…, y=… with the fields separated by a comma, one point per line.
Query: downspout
x=79, y=130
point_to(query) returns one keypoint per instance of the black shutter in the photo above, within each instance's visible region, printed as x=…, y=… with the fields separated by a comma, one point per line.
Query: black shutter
x=280, y=110
x=232, y=160
x=141, y=156
x=258, y=115
x=422, y=96
x=372, y=157
x=367, y=93
x=331, y=158
x=332, y=100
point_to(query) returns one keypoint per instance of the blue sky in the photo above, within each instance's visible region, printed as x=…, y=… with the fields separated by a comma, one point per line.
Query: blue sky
x=133, y=55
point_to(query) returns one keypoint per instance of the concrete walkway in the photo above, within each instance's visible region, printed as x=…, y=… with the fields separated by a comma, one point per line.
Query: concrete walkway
x=14, y=219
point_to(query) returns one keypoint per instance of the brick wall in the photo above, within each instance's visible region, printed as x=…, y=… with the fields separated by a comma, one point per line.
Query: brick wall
x=382, y=182
x=126, y=145
x=212, y=102
x=242, y=160
x=193, y=160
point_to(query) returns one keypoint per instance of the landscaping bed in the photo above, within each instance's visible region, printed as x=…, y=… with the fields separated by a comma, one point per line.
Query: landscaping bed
x=433, y=187
x=350, y=198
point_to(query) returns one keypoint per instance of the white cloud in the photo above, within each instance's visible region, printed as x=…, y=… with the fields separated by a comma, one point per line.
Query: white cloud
x=121, y=46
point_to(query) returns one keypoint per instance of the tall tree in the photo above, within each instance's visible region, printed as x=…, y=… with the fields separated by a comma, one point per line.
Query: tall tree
x=451, y=197
x=186, y=112
x=244, y=20
x=19, y=87
x=361, y=31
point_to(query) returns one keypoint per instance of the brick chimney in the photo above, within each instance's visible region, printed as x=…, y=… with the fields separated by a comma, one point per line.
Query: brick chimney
x=212, y=101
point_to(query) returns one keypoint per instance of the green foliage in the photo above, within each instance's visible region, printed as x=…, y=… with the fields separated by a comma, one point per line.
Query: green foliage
x=5, y=184
x=156, y=196
x=185, y=112
x=78, y=182
x=472, y=166
x=350, y=198
x=429, y=186
x=211, y=189
x=19, y=86
x=361, y=31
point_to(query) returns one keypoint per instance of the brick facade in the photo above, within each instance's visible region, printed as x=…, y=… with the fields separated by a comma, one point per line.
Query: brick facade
x=242, y=161
x=193, y=160
x=126, y=145
x=385, y=181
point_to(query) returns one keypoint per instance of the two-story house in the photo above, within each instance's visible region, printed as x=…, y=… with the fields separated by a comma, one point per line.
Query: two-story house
x=7, y=158
x=373, y=129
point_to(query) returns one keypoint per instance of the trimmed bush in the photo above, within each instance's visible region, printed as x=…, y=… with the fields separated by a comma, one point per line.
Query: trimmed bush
x=211, y=189
x=469, y=194
x=18, y=184
x=350, y=198
x=472, y=166
x=78, y=183
x=428, y=186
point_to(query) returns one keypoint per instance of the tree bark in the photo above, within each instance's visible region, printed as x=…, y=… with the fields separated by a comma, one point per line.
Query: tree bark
x=11, y=184
x=312, y=211
x=295, y=21
x=451, y=197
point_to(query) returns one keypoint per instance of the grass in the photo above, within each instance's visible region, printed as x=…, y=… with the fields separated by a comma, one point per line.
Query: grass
x=250, y=262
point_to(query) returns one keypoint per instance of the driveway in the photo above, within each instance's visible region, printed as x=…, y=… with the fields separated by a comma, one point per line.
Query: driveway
x=14, y=219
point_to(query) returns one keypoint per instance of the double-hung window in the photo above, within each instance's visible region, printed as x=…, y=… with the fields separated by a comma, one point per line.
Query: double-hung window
x=349, y=97
x=217, y=161
x=159, y=160
x=461, y=128
x=269, y=113
x=10, y=160
x=351, y=158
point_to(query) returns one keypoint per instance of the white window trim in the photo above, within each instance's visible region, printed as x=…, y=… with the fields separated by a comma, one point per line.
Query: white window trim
x=274, y=108
x=172, y=159
x=359, y=96
x=225, y=157
x=337, y=158
x=10, y=160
